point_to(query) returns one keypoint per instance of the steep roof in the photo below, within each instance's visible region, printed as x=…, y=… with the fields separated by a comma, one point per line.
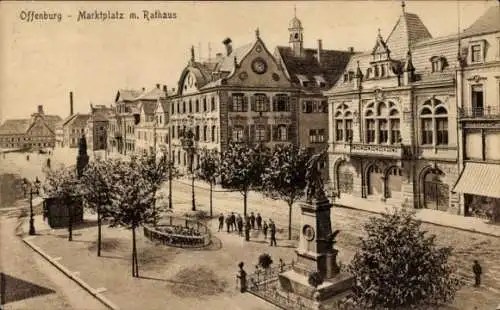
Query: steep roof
x=127, y=94
x=148, y=107
x=52, y=121
x=329, y=69
x=164, y=104
x=153, y=94
x=489, y=22
x=227, y=62
x=77, y=118
x=409, y=30
x=15, y=126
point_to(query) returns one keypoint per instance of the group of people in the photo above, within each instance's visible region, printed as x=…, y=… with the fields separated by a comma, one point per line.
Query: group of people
x=235, y=222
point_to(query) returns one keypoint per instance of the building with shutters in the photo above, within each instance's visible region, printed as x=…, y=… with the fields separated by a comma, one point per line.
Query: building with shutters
x=478, y=90
x=241, y=96
x=393, y=121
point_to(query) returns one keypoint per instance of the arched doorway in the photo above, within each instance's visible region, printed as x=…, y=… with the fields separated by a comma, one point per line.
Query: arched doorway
x=394, y=182
x=375, y=180
x=436, y=192
x=345, y=178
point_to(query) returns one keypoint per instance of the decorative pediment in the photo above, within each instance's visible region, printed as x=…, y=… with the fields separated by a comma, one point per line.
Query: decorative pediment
x=477, y=78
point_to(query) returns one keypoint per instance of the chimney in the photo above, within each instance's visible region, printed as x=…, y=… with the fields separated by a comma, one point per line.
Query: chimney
x=158, y=86
x=351, y=49
x=70, y=103
x=40, y=109
x=320, y=48
x=229, y=48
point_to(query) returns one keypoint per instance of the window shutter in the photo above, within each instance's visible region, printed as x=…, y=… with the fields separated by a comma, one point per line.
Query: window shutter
x=245, y=103
x=275, y=132
x=252, y=100
x=268, y=133
x=230, y=104
x=252, y=133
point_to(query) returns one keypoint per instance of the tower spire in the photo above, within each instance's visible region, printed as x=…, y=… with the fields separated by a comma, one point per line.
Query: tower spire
x=294, y=10
x=403, y=5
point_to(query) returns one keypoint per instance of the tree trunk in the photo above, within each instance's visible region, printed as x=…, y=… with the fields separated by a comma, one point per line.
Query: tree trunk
x=245, y=193
x=99, y=225
x=134, y=256
x=154, y=209
x=193, y=208
x=211, y=210
x=290, y=221
x=70, y=221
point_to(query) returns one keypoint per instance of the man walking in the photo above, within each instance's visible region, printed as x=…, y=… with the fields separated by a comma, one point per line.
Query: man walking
x=272, y=228
x=258, y=219
x=221, y=222
x=476, y=268
x=252, y=220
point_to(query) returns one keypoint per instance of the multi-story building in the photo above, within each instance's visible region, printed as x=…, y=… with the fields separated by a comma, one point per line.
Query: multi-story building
x=127, y=110
x=152, y=131
x=35, y=132
x=392, y=121
x=73, y=129
x=96, y=128
x=242, y=96
x=478, y=92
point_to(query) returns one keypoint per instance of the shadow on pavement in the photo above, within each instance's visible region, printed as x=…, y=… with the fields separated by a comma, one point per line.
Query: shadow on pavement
x=14, y=289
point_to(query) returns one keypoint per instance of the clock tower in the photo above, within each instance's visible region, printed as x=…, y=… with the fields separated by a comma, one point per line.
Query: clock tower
x=296, y=35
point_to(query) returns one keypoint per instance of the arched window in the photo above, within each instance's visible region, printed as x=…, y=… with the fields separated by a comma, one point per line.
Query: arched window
x=184, y=107
x=382, y=123
x=205, y=128
x=212, y=103
x=204, y=104
x=343, y=123
x=434, y=123
x=197, y=106
x=190, y=106
x=213, y=133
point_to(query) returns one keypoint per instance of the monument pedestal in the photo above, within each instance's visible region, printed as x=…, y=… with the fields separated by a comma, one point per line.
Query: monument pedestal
x=315, y=254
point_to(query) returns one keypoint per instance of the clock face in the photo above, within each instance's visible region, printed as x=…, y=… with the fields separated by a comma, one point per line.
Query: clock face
x=308, y=232
x=259, y=66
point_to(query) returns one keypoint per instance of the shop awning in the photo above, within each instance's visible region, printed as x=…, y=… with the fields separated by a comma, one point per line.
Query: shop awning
x=479, y=179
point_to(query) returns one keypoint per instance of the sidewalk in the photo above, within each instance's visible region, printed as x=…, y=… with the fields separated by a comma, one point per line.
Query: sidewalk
x=435, y=217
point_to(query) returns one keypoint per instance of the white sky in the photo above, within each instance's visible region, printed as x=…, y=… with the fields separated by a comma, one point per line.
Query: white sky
x=41, y=61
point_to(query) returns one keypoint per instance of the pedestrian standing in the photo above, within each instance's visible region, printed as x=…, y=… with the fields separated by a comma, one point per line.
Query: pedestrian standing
x=476, y=268
x=264, y=229
x=258, y=219
x=233, y=221
x=247, y=230
x=221, y=222
x=239, y=223
x=272, y=228
x=252, y=220
x=228, y=222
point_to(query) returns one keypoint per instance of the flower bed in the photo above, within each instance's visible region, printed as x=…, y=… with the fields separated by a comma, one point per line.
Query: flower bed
x=179, y=232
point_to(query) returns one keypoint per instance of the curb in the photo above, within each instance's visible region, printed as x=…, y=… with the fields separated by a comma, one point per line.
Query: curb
x=96, y=293
x=423, y=221
x=205, y=188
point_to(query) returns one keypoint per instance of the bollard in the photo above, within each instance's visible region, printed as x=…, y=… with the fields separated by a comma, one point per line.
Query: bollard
x=242, y=276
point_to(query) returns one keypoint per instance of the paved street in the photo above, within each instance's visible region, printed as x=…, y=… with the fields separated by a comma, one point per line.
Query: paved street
x=30, y=281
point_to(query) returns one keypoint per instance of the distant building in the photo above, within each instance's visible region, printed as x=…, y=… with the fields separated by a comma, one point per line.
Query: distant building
x=73, y=128
x=97, y=126
x=152, y=130
x=392, y=121
x=478, y=92
x=35, y=132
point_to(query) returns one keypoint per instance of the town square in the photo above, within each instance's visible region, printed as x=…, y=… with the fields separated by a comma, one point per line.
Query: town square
x=289, y=173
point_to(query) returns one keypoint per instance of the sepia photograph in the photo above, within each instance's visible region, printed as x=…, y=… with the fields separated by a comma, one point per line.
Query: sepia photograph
x=250, y=155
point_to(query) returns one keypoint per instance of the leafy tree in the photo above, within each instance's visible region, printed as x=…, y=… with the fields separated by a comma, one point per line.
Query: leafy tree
x=208, y=170
x=132, y=197
x=265, y=261
x=241, y=168
x=285, y=177
x=400, y=266
x=63, y=185
x=96, y=191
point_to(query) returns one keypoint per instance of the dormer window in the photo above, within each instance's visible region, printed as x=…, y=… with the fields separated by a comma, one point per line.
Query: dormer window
x=476, y=52
x=438, y=63
x=368, y=73
x=346, y=78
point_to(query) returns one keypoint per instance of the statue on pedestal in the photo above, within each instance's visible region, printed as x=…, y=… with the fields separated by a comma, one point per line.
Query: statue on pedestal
x=315, y=186
x=82, y=159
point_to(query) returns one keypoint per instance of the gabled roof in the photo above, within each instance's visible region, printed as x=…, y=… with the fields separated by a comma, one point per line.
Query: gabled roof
x=127, y=94
x=76, y=118
x=489, y=22
x=409, y=30
x=227, y=63
x=148, y=107
x=307, y=66
x=164, y=105
x=52, y=121
x=153, y=94
x=15, y=126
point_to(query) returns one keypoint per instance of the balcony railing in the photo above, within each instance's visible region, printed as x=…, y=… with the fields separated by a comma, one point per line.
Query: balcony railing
x=486, y=112
x=398, y=151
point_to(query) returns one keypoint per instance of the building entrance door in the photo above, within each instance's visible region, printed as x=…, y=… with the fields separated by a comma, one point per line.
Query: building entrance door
x=436, y=193
x=345, y=178
x=375, y=181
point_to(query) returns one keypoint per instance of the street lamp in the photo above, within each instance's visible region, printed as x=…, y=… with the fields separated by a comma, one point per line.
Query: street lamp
x=188, y=144
x=34, y=188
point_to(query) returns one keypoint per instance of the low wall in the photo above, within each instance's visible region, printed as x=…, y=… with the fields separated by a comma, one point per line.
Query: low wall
x=156, y=234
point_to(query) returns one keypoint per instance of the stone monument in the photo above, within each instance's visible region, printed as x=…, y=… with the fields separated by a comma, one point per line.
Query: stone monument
x=316, y=255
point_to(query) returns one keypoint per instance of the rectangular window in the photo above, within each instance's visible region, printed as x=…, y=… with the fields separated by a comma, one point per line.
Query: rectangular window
x=260, y=103
x=442, y=131
x=348, y=130
x=238, y=102
x=213, y=133
x=476, y=53
x=212, y=103
x=282, y=103
x=205, y=128
x=370, y=131
x=260, y=133
x=308, y=106
x=383, y=131
x=197, y=106
x=238, y=134
x=282, y=133
x=477, y=100
x=395, y=131
x=339, y=130
x=427, y=131
x=321, y=135
x=312, y=135
x=205, y=107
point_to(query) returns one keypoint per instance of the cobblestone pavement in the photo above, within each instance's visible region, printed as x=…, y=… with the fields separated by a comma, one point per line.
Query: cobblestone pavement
x=467, y=246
